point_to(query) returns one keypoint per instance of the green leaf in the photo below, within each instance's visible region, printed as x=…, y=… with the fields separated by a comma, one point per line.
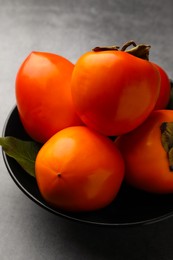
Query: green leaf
x=24, y=152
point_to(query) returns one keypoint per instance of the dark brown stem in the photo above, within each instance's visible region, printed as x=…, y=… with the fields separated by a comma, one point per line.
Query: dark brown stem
x=127, y=44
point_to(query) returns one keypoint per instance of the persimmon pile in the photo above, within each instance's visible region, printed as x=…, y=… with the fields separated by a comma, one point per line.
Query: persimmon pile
x=74, y=109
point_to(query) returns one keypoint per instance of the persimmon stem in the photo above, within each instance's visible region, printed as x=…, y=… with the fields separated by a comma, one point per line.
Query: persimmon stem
x=59, y=175
x=167, y=141
x=127, y=44
x=140, y=50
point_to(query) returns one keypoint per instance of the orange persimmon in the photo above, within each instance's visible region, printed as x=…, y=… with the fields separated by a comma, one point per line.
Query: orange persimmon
x=79, y=169
x=43, y=95
x=148, y=153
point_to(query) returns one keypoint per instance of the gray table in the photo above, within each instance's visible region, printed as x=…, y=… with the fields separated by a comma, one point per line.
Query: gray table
x=70, y=28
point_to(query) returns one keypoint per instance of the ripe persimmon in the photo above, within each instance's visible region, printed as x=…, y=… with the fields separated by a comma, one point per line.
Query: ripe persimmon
x=165, y=89
x=79, y=169
x=148, y=153
x=43, y=95
x=114, y=91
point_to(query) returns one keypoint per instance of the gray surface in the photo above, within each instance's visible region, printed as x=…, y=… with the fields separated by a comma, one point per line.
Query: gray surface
x=70, y=28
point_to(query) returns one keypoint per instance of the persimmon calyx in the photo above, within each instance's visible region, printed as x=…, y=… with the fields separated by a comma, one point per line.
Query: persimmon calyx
x=140, y=50
x=167, y=141
x=106, y=48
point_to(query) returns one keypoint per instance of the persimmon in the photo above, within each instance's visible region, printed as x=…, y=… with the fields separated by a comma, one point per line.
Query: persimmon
x=43, y=95
x=114, y=91
x=148, y=153
x=79, y=169
x=165, y=89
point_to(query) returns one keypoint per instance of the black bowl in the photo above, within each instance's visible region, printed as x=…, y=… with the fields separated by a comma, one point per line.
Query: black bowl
x=131, y=206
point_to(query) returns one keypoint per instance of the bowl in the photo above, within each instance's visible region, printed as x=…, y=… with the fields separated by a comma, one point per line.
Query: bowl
x=130, y=207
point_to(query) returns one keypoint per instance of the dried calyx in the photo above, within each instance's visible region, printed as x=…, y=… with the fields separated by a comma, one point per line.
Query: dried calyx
x=167, y=141
x=140, y=50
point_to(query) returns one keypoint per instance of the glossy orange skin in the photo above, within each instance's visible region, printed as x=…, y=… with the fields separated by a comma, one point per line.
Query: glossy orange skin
x=165, y=89
x=79, y=170
x=113, y=91
x=146, y=162
x=43, y=95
